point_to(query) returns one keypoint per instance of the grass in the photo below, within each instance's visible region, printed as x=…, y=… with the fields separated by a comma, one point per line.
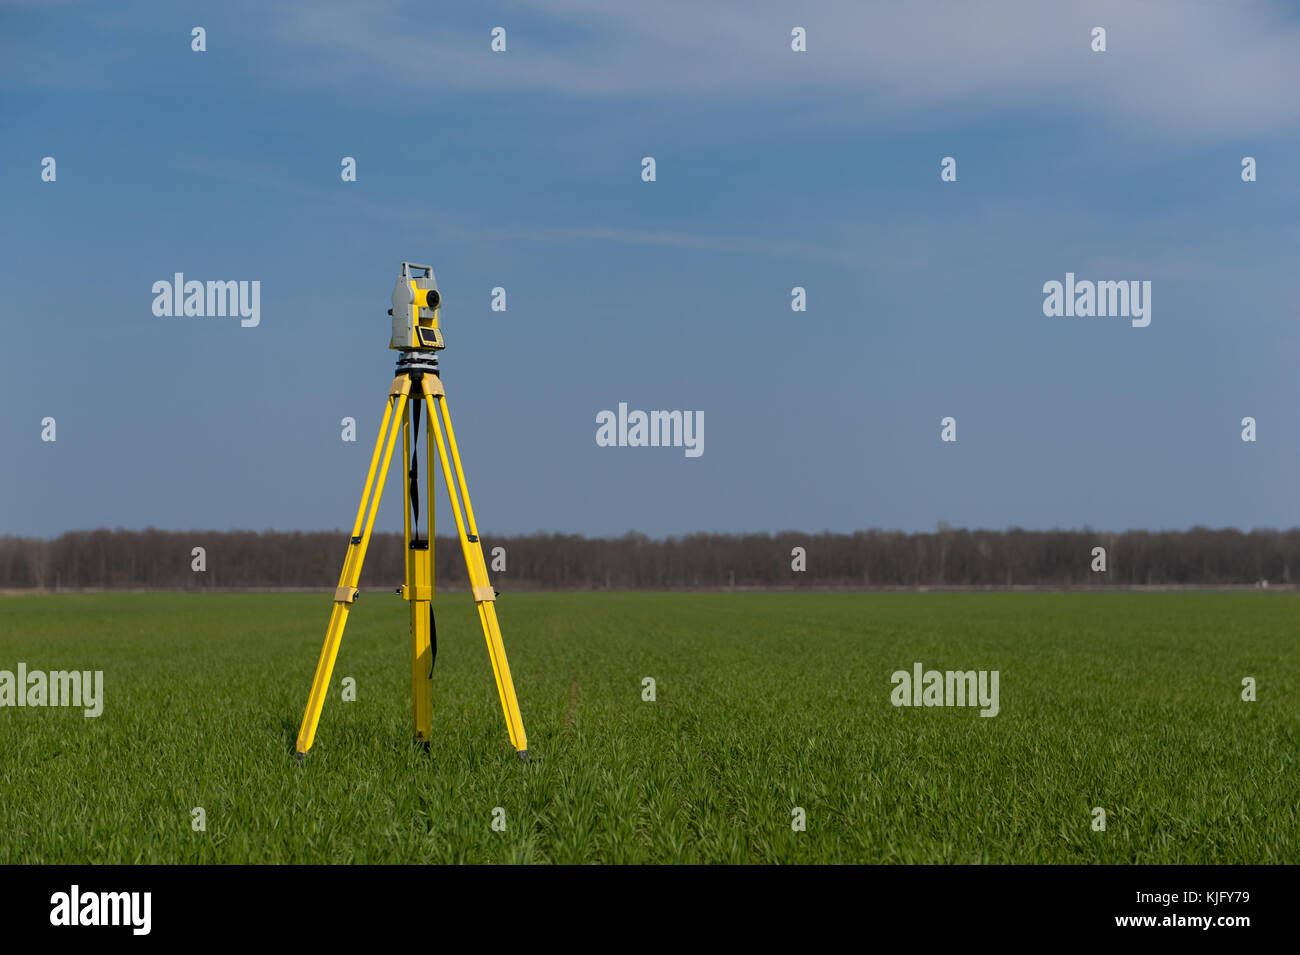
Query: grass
x=764, y=702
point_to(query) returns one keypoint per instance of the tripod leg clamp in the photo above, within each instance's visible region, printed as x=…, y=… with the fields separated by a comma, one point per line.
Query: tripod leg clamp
x=346, y=595
x=484, y=593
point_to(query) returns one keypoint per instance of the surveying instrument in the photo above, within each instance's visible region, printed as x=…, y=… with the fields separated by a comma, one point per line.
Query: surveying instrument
x=418, y=339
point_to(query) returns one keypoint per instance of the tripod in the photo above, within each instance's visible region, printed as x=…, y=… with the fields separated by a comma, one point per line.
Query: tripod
x=417, y=380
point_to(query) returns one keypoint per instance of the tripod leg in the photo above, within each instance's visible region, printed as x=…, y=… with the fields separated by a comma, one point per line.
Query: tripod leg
x=484, y=595
x=346, y=593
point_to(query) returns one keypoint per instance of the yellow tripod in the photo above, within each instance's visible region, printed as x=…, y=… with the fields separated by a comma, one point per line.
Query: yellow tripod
x=417, y=379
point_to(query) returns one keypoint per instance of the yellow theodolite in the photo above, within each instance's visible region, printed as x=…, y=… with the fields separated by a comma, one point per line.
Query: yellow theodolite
x=417, y=337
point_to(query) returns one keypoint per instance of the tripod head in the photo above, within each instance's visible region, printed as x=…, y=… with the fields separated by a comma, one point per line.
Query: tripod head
x=415, y=311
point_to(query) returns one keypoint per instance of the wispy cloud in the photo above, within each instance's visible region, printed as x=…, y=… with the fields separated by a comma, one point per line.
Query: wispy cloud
x=955, y=245
x=1190, y=70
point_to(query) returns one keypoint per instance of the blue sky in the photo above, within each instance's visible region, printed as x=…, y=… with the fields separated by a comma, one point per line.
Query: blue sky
x=774, y=169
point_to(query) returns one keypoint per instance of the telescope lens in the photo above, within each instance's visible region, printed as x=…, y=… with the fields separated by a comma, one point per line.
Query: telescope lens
x=433, y=298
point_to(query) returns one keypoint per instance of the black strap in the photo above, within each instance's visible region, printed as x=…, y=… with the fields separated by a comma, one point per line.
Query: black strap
x=414, y=475
x=414, y=479
x=433, y=640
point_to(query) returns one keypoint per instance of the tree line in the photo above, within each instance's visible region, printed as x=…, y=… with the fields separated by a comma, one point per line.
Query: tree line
x=152, y=559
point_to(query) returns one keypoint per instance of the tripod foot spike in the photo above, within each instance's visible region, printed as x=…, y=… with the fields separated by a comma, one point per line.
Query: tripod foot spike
x=523, y=754
x=300, y=757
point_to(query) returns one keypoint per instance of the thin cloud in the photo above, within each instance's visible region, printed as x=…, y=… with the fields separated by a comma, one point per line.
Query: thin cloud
x=1191, y=71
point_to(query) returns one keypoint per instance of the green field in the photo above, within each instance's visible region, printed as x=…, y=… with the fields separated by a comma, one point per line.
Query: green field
x=765, y=702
